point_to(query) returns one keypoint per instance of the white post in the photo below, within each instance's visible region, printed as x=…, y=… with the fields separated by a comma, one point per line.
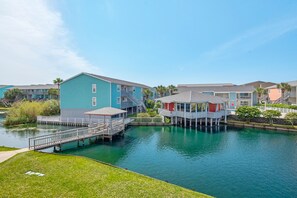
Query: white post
x=185, y=119
x=191, y=115
x=206, y=108
x=196, y=115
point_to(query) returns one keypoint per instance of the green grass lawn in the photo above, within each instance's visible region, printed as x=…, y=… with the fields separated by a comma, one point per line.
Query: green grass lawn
x=72, y=176
x=4, y=148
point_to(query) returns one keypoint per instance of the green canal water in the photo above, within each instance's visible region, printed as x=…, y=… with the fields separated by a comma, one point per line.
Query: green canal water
x=224, y=163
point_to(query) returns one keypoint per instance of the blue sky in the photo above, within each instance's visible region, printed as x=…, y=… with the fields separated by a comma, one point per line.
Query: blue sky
x=173, y=41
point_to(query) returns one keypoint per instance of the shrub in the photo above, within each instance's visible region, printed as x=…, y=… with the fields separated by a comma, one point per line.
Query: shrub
x=270, y=114
x=26, y=112
x=286, y=106
x=291, y=117
x=167, y=120
x=247, y=113
x=50, y=107
x=143, y=115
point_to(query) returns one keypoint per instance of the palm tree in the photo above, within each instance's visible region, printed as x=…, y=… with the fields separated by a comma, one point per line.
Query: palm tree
x=171, y=89
x=147, y=93
x=260, y=91
x=161, y=90
x=284, y=87
x=58, y=81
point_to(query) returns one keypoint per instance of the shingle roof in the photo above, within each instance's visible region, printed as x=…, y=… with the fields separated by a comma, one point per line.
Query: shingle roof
x=260, y=84
x=106, y=111
x=47, y=86
x=192, y=97
x=117, y=81
x=234, y=88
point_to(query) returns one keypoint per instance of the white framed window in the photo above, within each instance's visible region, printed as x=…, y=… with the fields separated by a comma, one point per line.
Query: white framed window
x=118, y=100
x=94, y=88
x=94, y=101
x=118, y=88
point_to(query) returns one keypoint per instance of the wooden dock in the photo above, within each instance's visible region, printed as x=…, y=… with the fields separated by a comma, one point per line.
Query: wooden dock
x=103, y=130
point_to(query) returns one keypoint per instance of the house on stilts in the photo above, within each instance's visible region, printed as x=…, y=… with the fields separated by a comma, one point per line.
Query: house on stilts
x=192, y=109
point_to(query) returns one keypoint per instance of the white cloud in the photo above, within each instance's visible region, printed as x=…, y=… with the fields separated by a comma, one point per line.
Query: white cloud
x=251, y=39
x=34, y=44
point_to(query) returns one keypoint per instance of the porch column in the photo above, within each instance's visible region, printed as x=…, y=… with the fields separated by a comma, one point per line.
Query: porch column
x=196, y=115
x=225, y=114
x=206, y=109
x=185, y=119
x=190, y=115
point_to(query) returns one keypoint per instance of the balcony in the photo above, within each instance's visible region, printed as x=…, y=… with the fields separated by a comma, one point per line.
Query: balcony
x=126, y=105
x=191, y=115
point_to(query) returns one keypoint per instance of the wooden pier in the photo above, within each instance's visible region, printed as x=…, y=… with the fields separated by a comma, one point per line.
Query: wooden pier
x=103, y=130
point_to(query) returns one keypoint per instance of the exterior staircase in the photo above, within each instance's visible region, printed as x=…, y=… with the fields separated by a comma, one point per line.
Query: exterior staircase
x=138, y=102
x=5, y=102
x=282, y=99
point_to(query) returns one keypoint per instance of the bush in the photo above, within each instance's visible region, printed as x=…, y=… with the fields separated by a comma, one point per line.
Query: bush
x=26, y=112
x=270, y=114
x=143, y=115
x=286, y=106
x=247, y=113
x=291, y=117
x=167, y=120
x=50, y=107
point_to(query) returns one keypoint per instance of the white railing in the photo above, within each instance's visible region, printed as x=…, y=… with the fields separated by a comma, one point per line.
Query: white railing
x=74, y=121
x=191, y=115
x=282, y=110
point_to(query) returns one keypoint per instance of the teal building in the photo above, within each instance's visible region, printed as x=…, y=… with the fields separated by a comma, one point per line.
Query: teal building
x=85, y=92
x=3, y=89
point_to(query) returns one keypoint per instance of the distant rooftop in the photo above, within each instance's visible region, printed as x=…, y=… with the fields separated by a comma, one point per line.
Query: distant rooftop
x=226, y=87
x=40, y=86
x=260, y=84
x=206, y=85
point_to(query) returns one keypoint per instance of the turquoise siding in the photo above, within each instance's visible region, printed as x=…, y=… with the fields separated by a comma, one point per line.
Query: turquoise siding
x=115, y=94
x=233, y=100
x=77, y=93
x=3, y=90
x=138, y=93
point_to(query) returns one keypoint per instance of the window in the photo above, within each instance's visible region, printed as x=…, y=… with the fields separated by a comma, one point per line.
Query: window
x=118, y=88
x=119, y=100
x=244, y=103
x=94, y=89
x=94, y=101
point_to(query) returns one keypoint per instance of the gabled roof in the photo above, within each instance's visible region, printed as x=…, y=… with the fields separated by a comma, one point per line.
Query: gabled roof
x=233, y=88
x=110, y=80
x=192, y=97
x=260, y=84
x=105, y=111
x=292, y=83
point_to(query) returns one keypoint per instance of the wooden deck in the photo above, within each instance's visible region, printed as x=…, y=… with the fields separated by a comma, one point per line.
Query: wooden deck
x=79, y=134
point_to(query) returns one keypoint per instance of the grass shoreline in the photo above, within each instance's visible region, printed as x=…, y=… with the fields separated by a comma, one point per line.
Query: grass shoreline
x=5, y=148
x=284, y=128
x=76, y=176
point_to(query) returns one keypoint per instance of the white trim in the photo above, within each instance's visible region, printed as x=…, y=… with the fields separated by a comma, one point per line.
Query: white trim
x=83, y=73
x=94, y=88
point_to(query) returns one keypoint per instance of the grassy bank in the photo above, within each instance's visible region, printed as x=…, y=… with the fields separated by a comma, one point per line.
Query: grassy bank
x=263, y=125
x=72, y=176
x=4, y=148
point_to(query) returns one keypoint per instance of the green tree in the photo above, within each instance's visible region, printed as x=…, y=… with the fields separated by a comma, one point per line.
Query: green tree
x=58, y=82
x=284, y=87
x=161, y=90
x=260, y=92
x=270, y=114
x=150, y=104
x=291, y=118
x=13, y=94
x=147, y=93
x=247, y=112
x=171, y=89
x=54, y=93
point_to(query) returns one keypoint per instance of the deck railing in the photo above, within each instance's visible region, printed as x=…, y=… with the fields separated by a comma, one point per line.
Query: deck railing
x=282, y=110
